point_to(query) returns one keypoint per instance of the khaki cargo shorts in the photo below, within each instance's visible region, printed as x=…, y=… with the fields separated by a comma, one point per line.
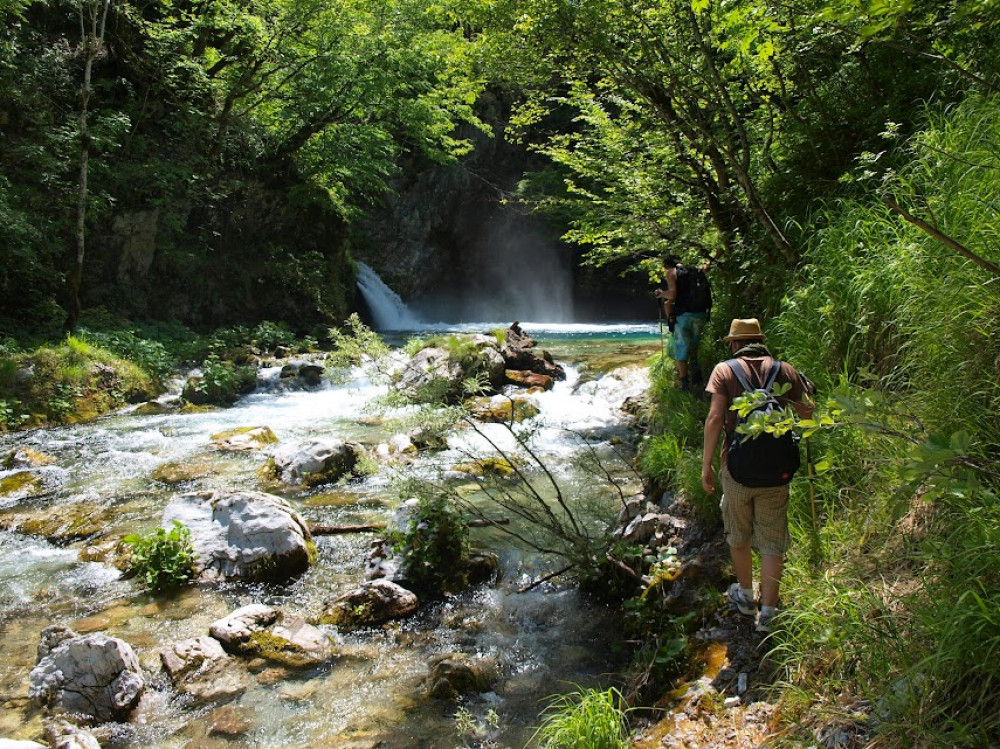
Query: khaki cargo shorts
x=756, y=517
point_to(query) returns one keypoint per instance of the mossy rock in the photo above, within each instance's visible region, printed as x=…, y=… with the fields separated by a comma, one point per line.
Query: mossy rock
x=152, y=408
x=193, y=408
x=456, y=674
x=244, y=439
x=180, y=472
x=507, y=411
x=495, y=467
x=25, y=457
x=21, y=484
x=68, y=524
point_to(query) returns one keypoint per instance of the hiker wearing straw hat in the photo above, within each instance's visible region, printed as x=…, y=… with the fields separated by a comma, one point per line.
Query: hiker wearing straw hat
x=755, y=517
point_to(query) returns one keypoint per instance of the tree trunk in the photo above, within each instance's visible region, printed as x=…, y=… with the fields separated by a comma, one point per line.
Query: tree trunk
x=92, y=40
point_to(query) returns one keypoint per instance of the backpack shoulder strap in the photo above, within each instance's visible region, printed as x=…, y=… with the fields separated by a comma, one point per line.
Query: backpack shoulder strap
x=772, y=375
x=741, y=376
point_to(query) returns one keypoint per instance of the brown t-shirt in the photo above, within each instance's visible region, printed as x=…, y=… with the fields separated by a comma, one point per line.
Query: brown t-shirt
x=724, y=382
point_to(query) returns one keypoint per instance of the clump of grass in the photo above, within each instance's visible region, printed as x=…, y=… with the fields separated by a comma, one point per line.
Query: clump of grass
x=588, y=719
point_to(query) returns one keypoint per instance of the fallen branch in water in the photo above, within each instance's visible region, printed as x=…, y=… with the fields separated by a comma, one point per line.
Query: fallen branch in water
x=339, y=530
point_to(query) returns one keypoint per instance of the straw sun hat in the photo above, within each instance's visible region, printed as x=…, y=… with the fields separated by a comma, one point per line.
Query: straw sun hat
x=743, y=329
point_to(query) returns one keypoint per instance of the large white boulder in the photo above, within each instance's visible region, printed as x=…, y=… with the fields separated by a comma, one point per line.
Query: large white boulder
x=314, y=462
x=243, y=535
x=94, y=676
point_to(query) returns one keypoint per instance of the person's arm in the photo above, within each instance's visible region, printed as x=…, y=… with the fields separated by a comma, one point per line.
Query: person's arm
x=714, y=424
x=670, y=295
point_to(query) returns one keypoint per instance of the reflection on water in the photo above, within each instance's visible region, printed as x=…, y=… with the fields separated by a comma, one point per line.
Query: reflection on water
x=543, y=642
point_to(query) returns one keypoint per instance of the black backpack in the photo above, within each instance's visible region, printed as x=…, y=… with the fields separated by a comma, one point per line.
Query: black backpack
x=693, y=292
x=762, y=460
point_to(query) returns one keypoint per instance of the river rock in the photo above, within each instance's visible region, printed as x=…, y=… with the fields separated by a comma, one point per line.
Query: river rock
x=519, y=353
x=201, y=668
x=230, y=721
x=22, y=485
x=429, y=375
x=434, y=373
x=243, y=535
x=528, y=379
x=25, y=457
x=73, y=522
x=312, y=463
x=308, y=373
x=502, y=410
x=61, y=734
x=244, y=439
x=456, y=674
x=95, y=676
x=261, y=631
x=179, y=472
x=373, y=602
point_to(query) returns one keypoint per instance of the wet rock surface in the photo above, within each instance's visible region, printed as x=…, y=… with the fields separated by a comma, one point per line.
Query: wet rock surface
x=456, y=674
x=94, y=676
x=372, y=602
x=201, y=668
x=243, y=535
x=261, y=631
x=244, y=439
x=312, y=463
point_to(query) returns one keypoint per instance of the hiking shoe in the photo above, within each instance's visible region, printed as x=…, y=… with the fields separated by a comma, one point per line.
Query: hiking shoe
x=745, y=603
x=765, y=620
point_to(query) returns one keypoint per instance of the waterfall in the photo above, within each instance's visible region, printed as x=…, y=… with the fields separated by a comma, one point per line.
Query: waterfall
x=389, y=311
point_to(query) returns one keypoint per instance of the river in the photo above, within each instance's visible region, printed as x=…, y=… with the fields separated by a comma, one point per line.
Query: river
x=546, y=641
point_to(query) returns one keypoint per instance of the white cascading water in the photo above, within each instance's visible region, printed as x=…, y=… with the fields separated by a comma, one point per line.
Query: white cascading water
x=389, y=311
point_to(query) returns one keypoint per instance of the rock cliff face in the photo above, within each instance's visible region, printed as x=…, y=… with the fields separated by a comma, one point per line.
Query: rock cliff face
x=270, y=248
x=447, y=243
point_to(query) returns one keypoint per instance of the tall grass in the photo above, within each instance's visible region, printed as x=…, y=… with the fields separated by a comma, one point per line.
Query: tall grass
x=905, y=609
x=588, y=719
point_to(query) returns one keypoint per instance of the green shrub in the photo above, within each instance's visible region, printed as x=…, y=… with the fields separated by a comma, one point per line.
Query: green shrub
x=587, y=719
x=150, y=355
x=434, y=545
x=660, y=458
x=163, y=560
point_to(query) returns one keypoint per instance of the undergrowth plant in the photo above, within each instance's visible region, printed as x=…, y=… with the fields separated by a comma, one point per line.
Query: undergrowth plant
x=163, y=560
x=588, y=719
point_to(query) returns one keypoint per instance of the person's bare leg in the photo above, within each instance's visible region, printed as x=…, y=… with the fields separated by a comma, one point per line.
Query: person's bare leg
x=771, y=568
x=743, y=564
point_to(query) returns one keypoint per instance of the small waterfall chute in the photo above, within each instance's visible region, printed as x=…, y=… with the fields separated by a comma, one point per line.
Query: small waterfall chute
x=389, y=311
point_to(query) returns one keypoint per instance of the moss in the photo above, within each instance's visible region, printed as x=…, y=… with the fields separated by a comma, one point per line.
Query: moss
x=176, y=473
x=24, y=483
x=278, y=649
x=312, y=552
x=24, y=457
x=498, y=467
x=246, y=437
x=72, y=382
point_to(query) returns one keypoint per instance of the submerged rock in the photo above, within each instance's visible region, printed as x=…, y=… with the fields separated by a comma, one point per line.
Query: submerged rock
x=372, y=602
x=244, y=439
x=70, y=523
x=201, y=668
x=62, y=734
x=94, y=676
x=502, y=410
x=179, y=472
x=312, y=463
x=243, y=535
x=25, y=457
x=455, y=674
x=261, y=631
